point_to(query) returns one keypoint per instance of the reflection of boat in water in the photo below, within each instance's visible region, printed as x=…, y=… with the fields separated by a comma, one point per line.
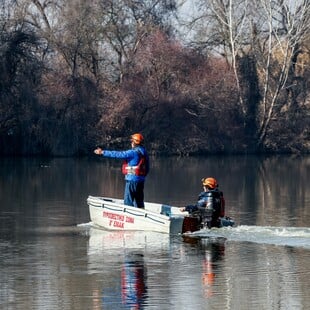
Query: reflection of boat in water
x=105, y=246
x=125, y=266
x=118, y=256
x=103, y=241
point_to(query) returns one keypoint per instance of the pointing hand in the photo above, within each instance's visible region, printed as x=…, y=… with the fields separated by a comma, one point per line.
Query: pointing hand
x=98, y=151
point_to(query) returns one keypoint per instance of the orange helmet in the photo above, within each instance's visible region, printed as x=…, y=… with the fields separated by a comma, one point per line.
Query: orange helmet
x=209, y=182
x=137, y=138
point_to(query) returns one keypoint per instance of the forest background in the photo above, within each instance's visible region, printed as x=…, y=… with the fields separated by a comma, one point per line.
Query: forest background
x=194, y=77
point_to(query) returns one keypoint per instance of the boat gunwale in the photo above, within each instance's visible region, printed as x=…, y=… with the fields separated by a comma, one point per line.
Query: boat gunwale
x=101, y=202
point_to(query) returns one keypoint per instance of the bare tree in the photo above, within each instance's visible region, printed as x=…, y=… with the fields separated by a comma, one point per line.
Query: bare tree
x=287, y=24
x=261, y=40
x=99, y=36
x=124, y=24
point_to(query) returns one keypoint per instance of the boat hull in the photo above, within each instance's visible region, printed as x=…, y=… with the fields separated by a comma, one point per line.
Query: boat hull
x=112, y=214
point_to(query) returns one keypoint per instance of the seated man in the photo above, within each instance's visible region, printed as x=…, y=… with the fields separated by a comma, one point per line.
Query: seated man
x=210, y=205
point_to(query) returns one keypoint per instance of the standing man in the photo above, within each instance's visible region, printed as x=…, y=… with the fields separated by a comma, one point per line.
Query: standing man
x=135, y=168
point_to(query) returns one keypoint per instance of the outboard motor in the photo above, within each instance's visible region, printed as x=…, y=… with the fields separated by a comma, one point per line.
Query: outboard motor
x=207, y=211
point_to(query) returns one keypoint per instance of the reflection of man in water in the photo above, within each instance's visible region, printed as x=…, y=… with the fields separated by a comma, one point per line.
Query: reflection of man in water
x=213, y=253
x=133, y=281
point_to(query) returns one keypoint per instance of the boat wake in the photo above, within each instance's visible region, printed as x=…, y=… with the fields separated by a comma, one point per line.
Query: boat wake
x=85, y=225
x=282, y=236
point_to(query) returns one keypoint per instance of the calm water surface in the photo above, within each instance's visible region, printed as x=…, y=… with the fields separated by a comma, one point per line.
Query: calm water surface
x=52, y=258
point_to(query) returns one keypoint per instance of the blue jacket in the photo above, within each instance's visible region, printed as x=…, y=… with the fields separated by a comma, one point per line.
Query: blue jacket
x=132, y=156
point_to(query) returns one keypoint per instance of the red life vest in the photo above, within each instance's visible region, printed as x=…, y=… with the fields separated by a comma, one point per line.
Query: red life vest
x=139, y=170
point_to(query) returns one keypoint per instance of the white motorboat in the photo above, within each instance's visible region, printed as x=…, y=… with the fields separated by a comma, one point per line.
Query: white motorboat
x=112, y=214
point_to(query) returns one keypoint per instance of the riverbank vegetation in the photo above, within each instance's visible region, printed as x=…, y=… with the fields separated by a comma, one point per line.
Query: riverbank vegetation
x=76, y=74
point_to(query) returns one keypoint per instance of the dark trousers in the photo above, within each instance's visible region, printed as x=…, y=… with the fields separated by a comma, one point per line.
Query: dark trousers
x=134, y=194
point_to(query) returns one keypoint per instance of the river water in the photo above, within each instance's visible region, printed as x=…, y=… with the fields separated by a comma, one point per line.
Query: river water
x=52, y=258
